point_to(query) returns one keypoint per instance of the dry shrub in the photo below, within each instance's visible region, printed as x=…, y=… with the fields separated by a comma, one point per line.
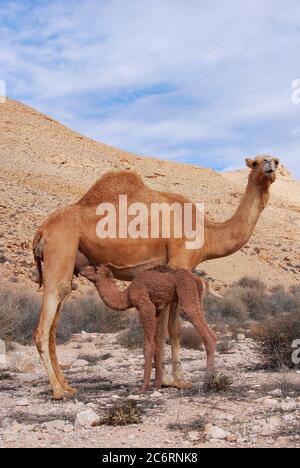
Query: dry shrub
x=217, y=383
x=133, y=337
x=249, y=300
x=190, y=338
x=275, y=337
x=122, y=414
x=19, y=314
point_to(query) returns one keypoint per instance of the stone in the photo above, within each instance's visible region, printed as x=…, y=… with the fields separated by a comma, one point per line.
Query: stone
x=156, y=395
x=16, y=428
x=270, y=403
x=216, y=433
x=231, y=438
x=240, y=337
x=22, y=402
x=276, y=393
x=56, y=425
x=21, y=361
x=193, y=436
x=68, y=428
x=27, y=378
x=288, y=406
x=87, y=418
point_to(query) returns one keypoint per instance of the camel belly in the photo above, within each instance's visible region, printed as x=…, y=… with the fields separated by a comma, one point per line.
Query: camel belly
x=125, y=258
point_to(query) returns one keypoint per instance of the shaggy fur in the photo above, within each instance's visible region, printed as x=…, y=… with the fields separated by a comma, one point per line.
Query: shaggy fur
x=151, y=292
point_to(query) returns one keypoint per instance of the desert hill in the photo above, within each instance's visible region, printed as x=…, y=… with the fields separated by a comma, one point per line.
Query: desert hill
x=45, y=165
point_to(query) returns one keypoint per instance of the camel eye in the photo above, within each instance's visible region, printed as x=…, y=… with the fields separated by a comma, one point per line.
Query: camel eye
x=255, y=164
x=276, y=163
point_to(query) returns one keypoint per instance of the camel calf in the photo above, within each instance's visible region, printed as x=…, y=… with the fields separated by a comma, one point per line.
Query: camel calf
x=151, y=291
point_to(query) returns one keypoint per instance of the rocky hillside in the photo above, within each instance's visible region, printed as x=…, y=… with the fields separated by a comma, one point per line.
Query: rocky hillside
x=45, y=165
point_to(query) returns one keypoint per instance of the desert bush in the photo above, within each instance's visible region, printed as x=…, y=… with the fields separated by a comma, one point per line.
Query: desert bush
x=249, y=300
x=190, y=338
x=19, y=314
x=122, y=414
x=275, y=337
x=133, y=337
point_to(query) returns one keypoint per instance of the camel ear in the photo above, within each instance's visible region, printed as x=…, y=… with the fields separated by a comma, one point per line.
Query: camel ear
x=249, y=163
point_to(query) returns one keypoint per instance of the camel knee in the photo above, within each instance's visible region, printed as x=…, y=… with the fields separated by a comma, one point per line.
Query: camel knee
x=40, y=341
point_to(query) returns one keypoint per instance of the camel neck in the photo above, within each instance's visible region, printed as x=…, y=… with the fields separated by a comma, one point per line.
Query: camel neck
x=225, y=238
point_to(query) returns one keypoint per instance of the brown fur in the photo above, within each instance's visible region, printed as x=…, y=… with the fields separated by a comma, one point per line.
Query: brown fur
x=151, y=292
x=67, y=241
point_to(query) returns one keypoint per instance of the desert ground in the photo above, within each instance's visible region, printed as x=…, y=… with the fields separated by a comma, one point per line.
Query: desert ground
x=44, y=166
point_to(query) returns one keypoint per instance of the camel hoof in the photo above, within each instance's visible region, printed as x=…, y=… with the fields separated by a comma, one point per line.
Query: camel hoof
x=58, y=395
x=182, y=384
x=167, y=382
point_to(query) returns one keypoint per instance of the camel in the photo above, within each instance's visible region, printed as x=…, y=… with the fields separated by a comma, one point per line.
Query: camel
x=67, y=241
x=150, y=292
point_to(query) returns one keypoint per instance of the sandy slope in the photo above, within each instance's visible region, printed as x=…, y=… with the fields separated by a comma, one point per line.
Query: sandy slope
x=44, y=165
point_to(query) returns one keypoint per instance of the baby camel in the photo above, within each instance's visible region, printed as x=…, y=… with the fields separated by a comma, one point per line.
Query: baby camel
x=150, y=292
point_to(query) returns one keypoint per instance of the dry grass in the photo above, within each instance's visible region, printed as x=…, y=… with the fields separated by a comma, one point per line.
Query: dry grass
x=275, y=337
x=133, y=337
x=190, y=338
x=19, y=313
x=122, y=414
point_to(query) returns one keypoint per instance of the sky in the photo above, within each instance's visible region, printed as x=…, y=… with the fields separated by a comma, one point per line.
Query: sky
x=194, y=81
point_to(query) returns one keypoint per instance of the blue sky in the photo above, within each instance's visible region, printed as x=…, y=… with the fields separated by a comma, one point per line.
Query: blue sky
x=194, y=81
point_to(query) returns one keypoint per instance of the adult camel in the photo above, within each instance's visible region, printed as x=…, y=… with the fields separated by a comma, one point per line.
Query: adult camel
x=68, y=241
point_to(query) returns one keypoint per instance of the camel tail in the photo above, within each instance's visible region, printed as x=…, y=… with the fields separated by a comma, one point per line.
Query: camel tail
x=38, y=256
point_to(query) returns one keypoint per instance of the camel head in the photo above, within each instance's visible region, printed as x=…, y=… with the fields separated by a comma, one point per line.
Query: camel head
x=263, y=168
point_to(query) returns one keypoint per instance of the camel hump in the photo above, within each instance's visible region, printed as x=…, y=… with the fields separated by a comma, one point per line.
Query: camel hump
x=111, y=185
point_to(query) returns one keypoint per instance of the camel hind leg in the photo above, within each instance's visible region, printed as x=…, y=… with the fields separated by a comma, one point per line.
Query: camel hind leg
x=191, y=305
x=59, y=261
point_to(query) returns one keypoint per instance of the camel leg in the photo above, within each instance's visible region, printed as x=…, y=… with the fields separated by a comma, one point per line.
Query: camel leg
x=59, y=261
x=53, y=355
x=147, y=315
x=174, y=327
x=42, y=339
x=161, y=377
x=210, y=341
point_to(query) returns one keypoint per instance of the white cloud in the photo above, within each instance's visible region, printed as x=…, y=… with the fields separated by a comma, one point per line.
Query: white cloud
x=229, y=65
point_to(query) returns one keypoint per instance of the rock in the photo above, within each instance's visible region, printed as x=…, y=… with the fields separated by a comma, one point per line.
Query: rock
x=288, y=406
x=240, y=337
x=3, y=361
x=28, y=378
x=270, y=403
x=68, y=428
x=16, y=428
x=270, y=426
x=193, y=436
x=56, y=425
x=87, y=418
x=115, y=397
x=21, y=361
x=80, y=363
x=231, y=438
x=156, y=395
x=22, y=402
x=216, y=433
x=276, y=393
